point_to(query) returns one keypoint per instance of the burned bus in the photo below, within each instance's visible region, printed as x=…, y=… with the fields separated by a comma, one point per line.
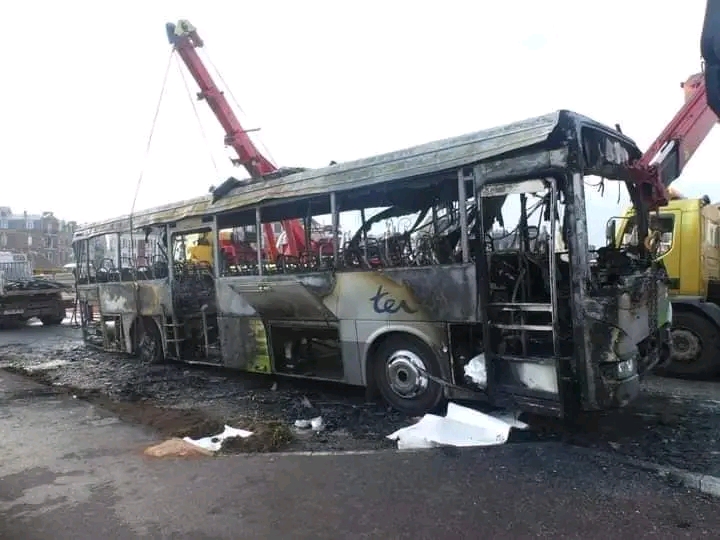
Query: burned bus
x=454, y=269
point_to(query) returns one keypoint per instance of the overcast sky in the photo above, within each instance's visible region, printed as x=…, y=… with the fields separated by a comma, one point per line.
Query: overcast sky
x=324, y=81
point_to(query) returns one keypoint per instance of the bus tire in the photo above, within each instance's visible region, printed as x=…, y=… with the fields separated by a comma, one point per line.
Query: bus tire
x=148, y=341
x=398, y=366
x=695, y=346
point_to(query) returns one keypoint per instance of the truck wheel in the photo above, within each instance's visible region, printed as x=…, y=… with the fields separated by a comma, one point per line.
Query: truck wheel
x=694, y=348
x=400, y=366
x=148, y=342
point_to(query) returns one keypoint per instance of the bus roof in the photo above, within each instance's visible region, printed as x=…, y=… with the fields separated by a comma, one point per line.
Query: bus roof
x=427, y=159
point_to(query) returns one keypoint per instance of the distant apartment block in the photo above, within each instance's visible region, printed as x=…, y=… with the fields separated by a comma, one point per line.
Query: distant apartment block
x=47, y=239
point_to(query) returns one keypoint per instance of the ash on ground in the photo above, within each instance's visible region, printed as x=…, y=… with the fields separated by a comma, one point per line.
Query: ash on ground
x=196, y=401
x=673, y=423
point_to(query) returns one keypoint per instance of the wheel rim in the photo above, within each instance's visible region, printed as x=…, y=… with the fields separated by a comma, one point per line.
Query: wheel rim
x=686, y=345
x=406, y=374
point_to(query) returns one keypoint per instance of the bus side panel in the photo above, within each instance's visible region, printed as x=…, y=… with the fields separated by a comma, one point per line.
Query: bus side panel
x=147, y=298
x=423, y=293
x=353, y=364
x=415, y=301
x=129, y=300
x=244, y=343
x=252, y=308
x=243, y=334
x=88, y=299
x=362, y=305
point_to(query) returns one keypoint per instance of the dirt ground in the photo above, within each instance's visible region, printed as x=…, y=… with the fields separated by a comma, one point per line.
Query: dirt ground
x=674, y=423
x=196, y=401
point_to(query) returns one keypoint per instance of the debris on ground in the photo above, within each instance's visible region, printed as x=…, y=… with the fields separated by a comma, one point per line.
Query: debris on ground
x=672, y=423
x=213, y=443
x=179, y=400
x=268, y=436
x=45, y=366
x=316, y=424
x=461, y=426
x=176, y=448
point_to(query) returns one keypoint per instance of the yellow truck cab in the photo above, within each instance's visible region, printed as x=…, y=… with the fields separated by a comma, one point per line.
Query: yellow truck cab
x=689, y=247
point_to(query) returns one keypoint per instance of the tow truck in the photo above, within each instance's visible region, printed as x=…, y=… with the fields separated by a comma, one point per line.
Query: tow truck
x=687, y=231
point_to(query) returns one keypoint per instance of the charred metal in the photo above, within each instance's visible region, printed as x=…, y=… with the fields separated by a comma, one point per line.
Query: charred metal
x=456, y=267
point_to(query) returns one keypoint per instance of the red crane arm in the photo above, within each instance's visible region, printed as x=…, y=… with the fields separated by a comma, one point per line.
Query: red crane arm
x=185, y=39
x=666, y=158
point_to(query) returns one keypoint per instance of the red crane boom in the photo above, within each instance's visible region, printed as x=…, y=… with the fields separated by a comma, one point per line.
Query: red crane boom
x=185, y=39
x=658, y=167
x=667, y=156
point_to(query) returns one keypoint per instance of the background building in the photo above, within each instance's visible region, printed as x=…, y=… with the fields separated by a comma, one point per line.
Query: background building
x=44, y=237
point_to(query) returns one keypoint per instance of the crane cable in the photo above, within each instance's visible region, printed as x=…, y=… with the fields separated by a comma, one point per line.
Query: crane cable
x=193, y=102
x=265, y=149
x=152, y=132
x=140, y=330
x=147, y=152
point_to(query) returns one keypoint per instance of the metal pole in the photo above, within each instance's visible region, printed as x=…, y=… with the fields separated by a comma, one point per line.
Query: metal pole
x=552, y=269
x=170, y=255
x=364, y=233
x=335, y=227
x=462, y=208
x=260, y=238
x=216, y=247
x=87, y=257
x=118, y=238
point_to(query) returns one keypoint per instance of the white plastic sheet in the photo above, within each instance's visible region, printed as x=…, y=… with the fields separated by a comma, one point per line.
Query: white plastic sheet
x=461, y=426
x=316, y=423
x=214, y=443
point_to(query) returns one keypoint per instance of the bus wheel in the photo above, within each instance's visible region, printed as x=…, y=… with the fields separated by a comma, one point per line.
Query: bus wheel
x=148, y=342
x=694, y=346
x=400, y=367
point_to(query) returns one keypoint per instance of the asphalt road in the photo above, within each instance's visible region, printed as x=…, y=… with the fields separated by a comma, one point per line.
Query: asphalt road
x=72, y=471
